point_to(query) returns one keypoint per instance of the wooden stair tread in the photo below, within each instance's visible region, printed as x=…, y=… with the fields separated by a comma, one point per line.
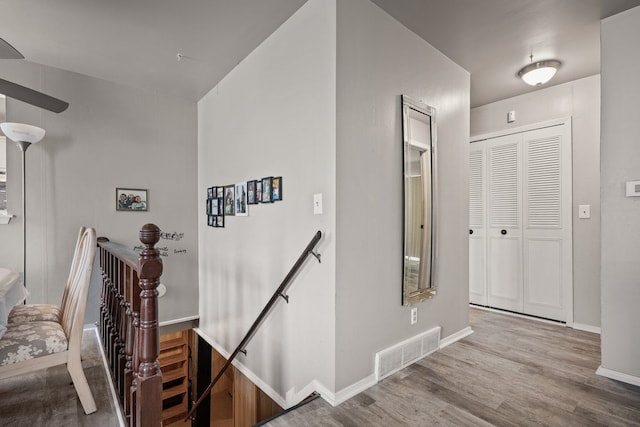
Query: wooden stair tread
x=174, y=391
x=176, y=342
x=175, y=411
x=174, y=374
x=170, y=360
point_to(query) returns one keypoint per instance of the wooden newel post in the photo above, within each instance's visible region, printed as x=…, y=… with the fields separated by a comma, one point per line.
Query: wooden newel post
x=148, y=379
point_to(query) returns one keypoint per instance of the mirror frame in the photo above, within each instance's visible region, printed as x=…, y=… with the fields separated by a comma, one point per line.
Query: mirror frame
x=427, y=284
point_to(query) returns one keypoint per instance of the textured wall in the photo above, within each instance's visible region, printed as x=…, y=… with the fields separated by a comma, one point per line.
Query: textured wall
x=274, y=115
x=95, y=146
x=378, y=60
x=620, y=162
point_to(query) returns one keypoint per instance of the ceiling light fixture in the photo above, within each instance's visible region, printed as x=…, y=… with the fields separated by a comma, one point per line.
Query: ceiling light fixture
x=539, y=73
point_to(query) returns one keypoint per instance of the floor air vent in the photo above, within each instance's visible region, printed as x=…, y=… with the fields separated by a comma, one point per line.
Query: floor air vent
x=407, y=352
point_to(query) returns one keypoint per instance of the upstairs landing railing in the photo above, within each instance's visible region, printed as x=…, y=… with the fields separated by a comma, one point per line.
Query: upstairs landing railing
x=128, y=325
x=279, y=293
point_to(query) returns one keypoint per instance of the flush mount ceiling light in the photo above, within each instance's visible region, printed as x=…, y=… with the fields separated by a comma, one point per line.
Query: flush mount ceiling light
x=538, y=73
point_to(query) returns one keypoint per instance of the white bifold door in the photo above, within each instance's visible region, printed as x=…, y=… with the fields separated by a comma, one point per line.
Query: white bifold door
x=520, y=250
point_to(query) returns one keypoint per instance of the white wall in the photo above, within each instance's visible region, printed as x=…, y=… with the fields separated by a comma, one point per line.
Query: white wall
x=378, y=60
x=111, y=136
x=620, y=215
x=274, y=115
x=579, y=99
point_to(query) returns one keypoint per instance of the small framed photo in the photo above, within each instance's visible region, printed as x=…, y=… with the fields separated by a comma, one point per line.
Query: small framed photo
x=131, y=199
x=266, y=190
x=211, y=192
x=241, y=199
x=251, y=192
x=229, y=200
x=215, y=207
x=258, y=191
x=220, y=221
x=219, y=192
x=220, y=206
x=209, y=208
x=211, y=221
x=276, y=189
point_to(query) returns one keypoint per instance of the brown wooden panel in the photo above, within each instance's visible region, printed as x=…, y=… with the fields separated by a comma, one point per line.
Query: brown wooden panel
x=266, y=406
x=245, y=401
x=222, y=410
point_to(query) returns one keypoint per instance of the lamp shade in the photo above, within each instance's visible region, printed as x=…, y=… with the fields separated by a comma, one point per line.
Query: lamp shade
x=540, y=72
x=20, y=132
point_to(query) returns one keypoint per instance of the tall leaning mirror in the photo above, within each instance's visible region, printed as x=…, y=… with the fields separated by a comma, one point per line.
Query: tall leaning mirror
x=419, y=161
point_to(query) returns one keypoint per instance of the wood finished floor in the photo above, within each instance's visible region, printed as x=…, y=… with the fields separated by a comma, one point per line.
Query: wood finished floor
x=509, y=372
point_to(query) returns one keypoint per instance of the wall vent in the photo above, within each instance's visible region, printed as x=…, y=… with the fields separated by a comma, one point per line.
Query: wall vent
x=406, y=352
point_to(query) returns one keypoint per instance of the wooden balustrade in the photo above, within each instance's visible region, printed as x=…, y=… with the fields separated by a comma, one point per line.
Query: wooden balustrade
x=128, y=325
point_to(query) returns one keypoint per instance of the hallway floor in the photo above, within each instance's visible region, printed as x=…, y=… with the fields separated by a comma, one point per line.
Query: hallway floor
x=48, y=398
x=509, y=372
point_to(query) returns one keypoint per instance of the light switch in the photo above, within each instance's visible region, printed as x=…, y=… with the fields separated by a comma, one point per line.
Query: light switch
x=317, y=204
x=633, y=188
x=511, y=116
x=584, y=211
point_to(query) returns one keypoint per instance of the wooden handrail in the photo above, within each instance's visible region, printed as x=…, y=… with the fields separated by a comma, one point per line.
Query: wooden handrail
x=280, y=292
x=129, y=325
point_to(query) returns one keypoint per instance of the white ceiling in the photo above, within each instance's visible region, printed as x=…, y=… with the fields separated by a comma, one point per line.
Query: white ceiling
x=135, y=42
x=493, y=39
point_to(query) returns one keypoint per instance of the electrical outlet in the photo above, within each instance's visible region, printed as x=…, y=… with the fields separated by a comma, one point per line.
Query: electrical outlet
x=414, y=315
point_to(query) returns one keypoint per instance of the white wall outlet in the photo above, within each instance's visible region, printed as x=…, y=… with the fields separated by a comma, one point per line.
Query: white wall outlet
x=317, y=204
x=584, y=211
x=414, y=315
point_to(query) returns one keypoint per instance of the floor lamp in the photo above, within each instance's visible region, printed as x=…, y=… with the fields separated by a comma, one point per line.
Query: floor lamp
x=23, y=135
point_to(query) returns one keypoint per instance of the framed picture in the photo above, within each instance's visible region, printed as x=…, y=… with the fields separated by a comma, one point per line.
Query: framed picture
x=220, y=206
x=215, y=207
x=276, y=189
x=211, y=220
x=241, y=199
x=219, y=192
x=258, y=191
x=220, y=221
x=211, y=192
x=132, y=199
x=229, y=200
x=266, y=190
x=251, y=192
x=209, y=211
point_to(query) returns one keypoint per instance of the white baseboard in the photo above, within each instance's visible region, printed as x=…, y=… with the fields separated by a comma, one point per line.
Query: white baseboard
x=354, y=389
x=586, y=328
x=176, y=321
x=455, y=337
x=619, y=376
x=293, y=397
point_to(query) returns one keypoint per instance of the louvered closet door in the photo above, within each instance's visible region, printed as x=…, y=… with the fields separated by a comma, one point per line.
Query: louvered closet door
x=504, y=223
x=547, y=219
x=477, y=235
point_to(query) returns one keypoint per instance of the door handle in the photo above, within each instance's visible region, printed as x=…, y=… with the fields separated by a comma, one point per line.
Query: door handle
x=503, y=231
x=470, y=231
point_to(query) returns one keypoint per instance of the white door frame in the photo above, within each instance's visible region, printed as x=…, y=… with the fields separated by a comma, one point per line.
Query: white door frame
x=568, y=287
